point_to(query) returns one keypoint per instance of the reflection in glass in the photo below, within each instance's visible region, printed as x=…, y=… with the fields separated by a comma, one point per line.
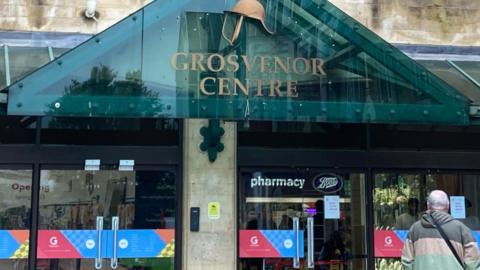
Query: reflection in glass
x=397, y=200
x=15, y=196
x=142, y=200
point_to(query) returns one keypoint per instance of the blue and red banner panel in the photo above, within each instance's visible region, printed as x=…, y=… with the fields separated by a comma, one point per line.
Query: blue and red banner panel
x=270, y=244
x=83, y=244
x=389, y=243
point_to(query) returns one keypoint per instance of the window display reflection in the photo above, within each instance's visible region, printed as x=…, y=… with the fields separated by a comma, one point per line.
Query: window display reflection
x=15, y=201
x=397, y=200
x=400, y=200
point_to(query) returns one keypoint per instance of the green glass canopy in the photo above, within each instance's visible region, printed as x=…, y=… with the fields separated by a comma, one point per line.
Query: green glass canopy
x=176, y=59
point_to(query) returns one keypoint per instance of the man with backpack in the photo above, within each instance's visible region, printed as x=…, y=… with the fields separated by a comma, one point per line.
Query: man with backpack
x=437, y=241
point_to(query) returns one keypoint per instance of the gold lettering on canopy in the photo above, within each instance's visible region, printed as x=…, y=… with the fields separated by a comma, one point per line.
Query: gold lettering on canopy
x=255, y=65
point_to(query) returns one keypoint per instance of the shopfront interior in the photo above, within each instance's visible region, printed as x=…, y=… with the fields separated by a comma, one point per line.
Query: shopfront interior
x=88, y=206
x=384, y=190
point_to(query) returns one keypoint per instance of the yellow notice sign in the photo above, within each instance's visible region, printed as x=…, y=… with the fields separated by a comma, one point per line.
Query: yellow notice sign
x=213, y=210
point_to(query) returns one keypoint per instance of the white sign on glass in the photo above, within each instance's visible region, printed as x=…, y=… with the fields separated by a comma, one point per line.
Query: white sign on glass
x=332, y=207
x=457, y=207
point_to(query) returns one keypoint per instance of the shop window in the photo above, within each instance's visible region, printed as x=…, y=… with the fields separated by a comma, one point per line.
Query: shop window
x=399, y=200
x=321, y=211
x=15, y=201
x=109, y=131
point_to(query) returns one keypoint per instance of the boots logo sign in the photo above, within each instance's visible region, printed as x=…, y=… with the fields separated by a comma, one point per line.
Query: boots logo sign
x=327, y=183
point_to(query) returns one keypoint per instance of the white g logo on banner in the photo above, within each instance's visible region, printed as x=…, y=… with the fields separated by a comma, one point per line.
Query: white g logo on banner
x=254, y=241
x=53, y=241
x=388, y=241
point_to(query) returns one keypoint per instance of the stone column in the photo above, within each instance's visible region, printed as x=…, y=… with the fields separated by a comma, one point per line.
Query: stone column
x=214, y=247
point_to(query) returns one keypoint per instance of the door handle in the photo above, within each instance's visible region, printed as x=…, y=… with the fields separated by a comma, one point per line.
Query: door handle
x=114, y=261
x=296, y=259
x=98, y=259
x=310, y=247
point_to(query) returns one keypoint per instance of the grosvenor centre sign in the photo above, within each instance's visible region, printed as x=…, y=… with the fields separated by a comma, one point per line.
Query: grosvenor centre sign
x=227, y=86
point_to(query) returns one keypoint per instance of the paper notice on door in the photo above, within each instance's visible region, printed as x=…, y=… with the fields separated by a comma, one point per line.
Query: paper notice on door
x=332, y=207
x=457, y=207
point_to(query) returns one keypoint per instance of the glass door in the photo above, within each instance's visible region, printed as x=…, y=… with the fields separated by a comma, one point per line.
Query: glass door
x=302, y=219
x=107, y=219
x=15, y=205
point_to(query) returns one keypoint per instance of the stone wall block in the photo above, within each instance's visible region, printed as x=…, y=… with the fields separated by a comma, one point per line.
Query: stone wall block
x=15, y=23
x=438, y=22
x=40, y=12
x=14, y=2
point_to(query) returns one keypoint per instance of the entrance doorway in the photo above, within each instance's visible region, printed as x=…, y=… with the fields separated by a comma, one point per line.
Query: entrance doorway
x=301, y=218
x=15, y=209
x=106, y=219
x=109, y=217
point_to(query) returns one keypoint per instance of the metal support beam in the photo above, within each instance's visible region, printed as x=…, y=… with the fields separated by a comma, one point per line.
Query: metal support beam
x=35, y=199
x=7, y=65
x=342, y=55
x=50, y=53
x=464, y=73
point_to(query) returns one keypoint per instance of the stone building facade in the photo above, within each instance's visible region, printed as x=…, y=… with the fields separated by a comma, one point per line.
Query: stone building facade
x=414, y=22
x=434, y=22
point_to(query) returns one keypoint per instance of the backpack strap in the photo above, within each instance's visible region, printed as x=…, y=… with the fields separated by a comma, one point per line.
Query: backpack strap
x=447, y=240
